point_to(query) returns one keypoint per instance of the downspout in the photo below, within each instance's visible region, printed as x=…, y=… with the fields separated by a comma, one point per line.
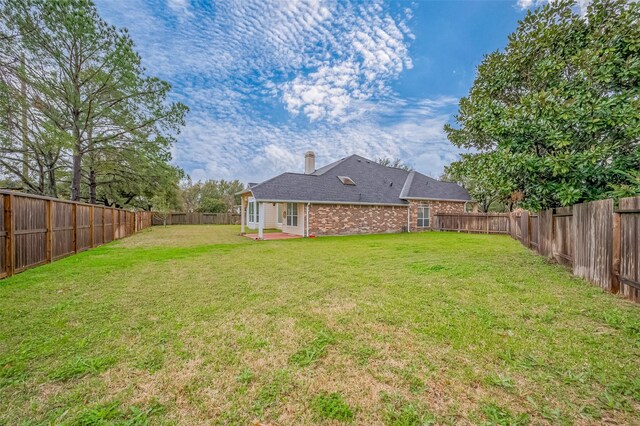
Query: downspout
x=409, y=218
x=308, y=204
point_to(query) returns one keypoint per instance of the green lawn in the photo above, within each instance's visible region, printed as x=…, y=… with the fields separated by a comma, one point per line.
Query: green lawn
x=194, y=324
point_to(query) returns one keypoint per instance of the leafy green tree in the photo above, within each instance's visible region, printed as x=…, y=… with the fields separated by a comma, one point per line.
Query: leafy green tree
x=91, y=86
x=210, y=196
x=164, y=202
x=189, y=195
x=212, y=205
x=31, y=147
x=480, y=175
x=559, y=106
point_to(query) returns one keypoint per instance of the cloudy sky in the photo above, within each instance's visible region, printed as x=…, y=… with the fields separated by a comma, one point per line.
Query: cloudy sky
x=267, y=81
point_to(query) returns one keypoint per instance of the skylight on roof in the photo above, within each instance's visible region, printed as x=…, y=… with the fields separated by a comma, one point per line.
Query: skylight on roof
x=346, y=180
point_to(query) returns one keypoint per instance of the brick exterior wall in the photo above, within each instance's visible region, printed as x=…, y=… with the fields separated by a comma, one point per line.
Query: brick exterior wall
x=435, y=207
x=338, y=219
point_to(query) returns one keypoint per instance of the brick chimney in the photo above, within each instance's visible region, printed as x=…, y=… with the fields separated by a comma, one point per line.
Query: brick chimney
x=309, y=162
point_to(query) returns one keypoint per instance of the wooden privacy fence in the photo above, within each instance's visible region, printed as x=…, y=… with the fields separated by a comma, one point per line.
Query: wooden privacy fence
x=491, y=223
x=36, y=230
x=597, y=241
x=177, y=218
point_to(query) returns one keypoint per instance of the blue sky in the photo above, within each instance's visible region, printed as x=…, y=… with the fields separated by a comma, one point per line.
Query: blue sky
x=267, y=81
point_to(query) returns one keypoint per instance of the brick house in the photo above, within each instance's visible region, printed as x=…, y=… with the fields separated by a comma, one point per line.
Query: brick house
x=353, y=195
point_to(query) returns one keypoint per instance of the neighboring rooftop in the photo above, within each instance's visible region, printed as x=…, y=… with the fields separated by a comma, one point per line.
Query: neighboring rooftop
x=373, y=184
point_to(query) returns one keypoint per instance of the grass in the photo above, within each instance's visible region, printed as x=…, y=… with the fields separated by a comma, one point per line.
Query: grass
x=194, y=324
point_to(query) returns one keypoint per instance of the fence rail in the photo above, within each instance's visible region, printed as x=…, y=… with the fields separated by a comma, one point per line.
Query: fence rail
x=35, y=230
x=598, y=242
x=178, y=218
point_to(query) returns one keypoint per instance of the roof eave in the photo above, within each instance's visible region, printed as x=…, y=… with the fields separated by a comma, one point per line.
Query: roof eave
x=354, y=203
x=457, y=200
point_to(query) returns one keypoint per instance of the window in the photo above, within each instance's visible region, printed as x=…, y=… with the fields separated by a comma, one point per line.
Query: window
x=279, y=214
x=253, y=212
x=292, y=214
x=346, y=180
x=423, y=216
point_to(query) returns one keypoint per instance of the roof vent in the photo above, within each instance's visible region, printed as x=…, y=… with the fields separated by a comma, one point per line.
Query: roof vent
x=346, y=180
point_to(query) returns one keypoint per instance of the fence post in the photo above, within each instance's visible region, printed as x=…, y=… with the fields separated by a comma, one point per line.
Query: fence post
x=615, y=253
x=91, y=227
x=49, y=213
x=113, y=224
x=9, y=240
x=74, y=223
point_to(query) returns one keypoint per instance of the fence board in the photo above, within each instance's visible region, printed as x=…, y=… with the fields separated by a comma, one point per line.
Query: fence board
x=62, y=230
x=533, y=231
x=108, y=225
x=630, y=249
x=593, y=236
x=83, y=228
x=545, y=233
x=98, y=226
x=30, y=229
x=35, y=230
x=562, y=246
x=524, y=228
x=3, y=240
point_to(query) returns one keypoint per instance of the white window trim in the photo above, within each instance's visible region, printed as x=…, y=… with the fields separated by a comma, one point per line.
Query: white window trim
x=253, y=214
x=279, y=213
x=291, y=213
x=426, y=220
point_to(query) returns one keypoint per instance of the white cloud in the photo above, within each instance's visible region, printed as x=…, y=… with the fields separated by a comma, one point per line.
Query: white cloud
x=267, y=81
x=255, y=150
x=526, y=4
x=181, y=8
x=373, y=50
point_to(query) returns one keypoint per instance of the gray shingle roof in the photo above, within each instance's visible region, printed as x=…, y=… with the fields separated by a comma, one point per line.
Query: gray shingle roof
x=374, y=184
x=422, y=186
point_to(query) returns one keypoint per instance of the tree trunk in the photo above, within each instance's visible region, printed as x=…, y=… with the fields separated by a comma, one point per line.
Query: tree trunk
x=50, y=184
x=76, y=176
x=92, y=187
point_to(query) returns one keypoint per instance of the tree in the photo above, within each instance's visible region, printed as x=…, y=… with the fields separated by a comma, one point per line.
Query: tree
x=212, y=205
x=559, y=106
x=88, y=87
x=210, y=196
x=189, y=195
x=30, y=146
x=164, y=201
x=395, y=162
x=479, y=174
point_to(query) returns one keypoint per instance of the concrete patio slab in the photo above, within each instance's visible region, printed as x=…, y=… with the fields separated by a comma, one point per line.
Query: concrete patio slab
x=274, y=236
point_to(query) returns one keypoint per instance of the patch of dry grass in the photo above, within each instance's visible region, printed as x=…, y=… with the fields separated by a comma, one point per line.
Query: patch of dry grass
x=194, y=324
